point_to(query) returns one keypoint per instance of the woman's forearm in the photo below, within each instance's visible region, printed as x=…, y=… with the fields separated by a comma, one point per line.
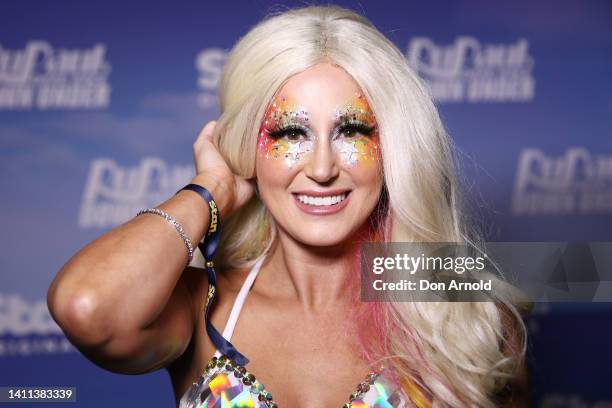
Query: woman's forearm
x=120, y=283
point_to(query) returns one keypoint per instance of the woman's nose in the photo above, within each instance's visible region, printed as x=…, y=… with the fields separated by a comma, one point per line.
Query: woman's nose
x=322, y=163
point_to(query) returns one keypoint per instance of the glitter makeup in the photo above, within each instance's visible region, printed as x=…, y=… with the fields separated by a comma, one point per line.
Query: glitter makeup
x=284, y=132
x=357, y=137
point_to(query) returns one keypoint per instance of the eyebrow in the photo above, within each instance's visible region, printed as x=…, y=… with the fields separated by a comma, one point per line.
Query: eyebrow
x=341, y=116
x=353, y=113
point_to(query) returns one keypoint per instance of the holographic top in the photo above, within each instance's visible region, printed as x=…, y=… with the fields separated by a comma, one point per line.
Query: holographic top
x=226, y=384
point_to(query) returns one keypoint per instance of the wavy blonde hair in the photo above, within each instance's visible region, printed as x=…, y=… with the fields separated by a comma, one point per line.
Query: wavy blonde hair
x=449, y=354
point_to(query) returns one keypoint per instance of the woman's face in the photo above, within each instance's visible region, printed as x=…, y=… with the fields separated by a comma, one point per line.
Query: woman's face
x=318, y=157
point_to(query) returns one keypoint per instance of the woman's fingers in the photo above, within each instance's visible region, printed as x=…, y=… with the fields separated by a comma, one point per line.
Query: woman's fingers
x=206, y=133
x=205, y=154
x=210, y=163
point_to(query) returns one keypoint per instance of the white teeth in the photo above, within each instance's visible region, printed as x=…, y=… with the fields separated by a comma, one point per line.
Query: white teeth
x=328, y=200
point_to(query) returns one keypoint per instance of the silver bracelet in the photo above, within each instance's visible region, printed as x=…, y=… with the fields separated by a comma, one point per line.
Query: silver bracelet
x=176, y=225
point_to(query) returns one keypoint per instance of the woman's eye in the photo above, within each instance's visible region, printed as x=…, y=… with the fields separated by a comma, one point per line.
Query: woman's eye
x=294, y=135
x=352, y=131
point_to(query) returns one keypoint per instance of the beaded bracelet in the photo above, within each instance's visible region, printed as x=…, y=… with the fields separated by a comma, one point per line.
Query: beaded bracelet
x=177, y=226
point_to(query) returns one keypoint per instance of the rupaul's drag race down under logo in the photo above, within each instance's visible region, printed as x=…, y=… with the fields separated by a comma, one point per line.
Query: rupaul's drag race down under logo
x=42, y=77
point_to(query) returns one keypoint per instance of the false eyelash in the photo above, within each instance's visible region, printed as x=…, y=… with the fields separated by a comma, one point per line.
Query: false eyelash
x=282, y=131
x=357, y=127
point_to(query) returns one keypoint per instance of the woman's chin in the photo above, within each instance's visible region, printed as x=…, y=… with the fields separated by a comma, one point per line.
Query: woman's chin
x=322, y=238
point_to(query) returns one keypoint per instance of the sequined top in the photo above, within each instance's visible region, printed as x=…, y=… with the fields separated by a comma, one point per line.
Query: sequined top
x=224, y=383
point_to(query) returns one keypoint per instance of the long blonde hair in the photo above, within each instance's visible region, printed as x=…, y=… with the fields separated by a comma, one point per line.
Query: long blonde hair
x=450, y=352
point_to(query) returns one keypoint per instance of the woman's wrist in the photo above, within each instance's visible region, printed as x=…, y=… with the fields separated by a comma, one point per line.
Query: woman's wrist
x=220, y=191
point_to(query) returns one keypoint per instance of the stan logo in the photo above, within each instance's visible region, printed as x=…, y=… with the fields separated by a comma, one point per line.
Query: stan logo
x=470, y=71
x=577, y=182
x=211, y=293
x=213, y=218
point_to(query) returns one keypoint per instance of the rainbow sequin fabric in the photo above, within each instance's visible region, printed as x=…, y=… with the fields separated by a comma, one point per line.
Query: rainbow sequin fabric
x=224, y=384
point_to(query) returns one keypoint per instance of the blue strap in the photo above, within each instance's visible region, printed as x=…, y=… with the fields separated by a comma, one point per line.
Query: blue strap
x=209, y=247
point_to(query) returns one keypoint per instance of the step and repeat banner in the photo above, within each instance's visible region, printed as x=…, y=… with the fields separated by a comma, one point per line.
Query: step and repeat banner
x=100, y=103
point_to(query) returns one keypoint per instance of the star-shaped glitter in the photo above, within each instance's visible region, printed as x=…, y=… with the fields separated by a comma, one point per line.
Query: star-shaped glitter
x=291, y=153
x=348, y=150
x=294, y=148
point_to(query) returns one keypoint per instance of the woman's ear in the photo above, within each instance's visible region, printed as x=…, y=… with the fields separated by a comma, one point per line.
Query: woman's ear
x=255, y=185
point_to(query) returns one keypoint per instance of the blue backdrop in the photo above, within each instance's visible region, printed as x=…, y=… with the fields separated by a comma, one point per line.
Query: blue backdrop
x=101, y=102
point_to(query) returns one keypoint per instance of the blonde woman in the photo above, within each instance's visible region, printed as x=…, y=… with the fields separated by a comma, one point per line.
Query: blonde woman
x=327, y=139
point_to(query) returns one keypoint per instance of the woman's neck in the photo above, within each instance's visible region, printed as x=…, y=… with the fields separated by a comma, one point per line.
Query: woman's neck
x=316, y=277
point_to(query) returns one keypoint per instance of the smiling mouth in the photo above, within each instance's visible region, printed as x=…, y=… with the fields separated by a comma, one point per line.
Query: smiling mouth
x=323, y=201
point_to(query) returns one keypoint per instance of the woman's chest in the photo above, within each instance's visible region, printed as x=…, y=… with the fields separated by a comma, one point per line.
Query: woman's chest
x=225, y=383
x=304, y=382
x=303, y=359
x=298, y=361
